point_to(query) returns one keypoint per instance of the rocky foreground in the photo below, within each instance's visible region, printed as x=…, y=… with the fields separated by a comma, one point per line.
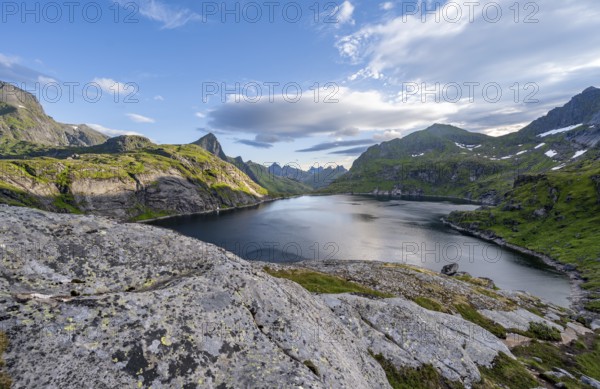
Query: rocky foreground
x=90, y=303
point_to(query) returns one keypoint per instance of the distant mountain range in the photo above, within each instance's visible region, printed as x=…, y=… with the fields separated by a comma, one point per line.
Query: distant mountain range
x=286, y=180
x=444, y=160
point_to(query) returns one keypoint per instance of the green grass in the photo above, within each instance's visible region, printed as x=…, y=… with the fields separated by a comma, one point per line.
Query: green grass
x=430, y=304
x=507, y=372
x=579, y=357
x=424, y=377
x=316, y=282
x=469, y=313
x=567, y=232
x=542, y=331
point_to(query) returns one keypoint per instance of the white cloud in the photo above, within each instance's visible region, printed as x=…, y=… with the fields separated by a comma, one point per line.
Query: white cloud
x=112, y=132
x=387, y=135
x=46, y=80
x=200, y=115
x=139, y=118
x=388, y=5
x=159, y=98
x=404, y=49
x=170, y=16
x=345, y=13
x=355, y=112
x=8, y=61
x=115, y=87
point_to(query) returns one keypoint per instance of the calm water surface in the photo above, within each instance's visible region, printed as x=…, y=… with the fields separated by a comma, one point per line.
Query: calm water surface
x=366, y=228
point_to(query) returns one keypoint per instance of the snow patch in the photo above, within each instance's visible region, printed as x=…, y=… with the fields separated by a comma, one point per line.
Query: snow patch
x=559, y=130
x=551, y=153
x=507, y=157
x=21, y=106
x=467, y=147
x=418, y=155
x=540, y=145
x=522, y=152
x=559, y=167
x=579, y=154
x=75, y=127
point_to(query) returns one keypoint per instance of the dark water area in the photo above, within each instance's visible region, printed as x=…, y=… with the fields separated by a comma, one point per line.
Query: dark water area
x=349, y=227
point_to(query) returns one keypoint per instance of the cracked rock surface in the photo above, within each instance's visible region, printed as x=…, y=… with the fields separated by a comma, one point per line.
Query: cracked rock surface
x=90, y=303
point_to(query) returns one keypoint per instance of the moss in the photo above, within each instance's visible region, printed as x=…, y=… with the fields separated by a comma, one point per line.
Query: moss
x=316, y=282
x=506, y=372
x=542, y=331
x=430, y=304
x=5, y=380
x=579, y=357
x=469, y=313
x=589, y=362
x=424, y=377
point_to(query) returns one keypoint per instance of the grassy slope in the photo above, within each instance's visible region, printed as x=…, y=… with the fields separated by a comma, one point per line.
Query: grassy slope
x=429, y=162
x=195, y=164
x=556, y=214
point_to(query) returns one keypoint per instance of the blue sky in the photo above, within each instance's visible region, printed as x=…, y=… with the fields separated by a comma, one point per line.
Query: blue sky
x=370, y=60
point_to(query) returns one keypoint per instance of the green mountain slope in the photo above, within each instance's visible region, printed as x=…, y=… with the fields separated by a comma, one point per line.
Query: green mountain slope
x=22, y=118
x=139, y=181
x=444, y=160
x=556, y=214
x=276, y=184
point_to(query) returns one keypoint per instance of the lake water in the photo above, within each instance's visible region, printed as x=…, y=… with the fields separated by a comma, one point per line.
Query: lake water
x=367, y=228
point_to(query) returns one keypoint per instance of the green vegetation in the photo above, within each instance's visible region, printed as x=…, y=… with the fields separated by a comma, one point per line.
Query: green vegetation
x=424, y=377
x=430, y=304
x=556, y=214
x=508, y=373
x=469, y=313
x=5, y=381
x=579, y=357
x=54, y=177
x=542, y=331
x=316, y=282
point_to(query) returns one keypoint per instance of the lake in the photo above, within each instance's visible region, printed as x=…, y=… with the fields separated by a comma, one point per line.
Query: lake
x=354, y=227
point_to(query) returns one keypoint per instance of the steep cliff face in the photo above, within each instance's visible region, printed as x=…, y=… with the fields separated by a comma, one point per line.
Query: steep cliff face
x=139, y=184
x=22, y=118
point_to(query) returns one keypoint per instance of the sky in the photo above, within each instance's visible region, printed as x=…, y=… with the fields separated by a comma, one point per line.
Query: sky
x=306, y=82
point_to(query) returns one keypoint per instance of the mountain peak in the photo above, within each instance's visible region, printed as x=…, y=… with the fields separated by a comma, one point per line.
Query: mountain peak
x=210, y=143
x=22, y=118
x=583, y=108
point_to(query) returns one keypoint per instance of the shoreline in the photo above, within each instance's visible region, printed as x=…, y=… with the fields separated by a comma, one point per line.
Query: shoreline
x=212, y=211
x=578, y=294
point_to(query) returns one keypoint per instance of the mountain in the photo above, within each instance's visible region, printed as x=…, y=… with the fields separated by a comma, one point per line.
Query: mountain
x=444, y=160
x=211, y=144
x=127, y=178
x=554, y=215
x=22, y=119
x=276, y=185
x=582, y=109
x=316, y=177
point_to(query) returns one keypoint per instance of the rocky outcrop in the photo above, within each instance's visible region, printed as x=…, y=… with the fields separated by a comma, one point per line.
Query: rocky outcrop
x=210, y=143
x=88, y=300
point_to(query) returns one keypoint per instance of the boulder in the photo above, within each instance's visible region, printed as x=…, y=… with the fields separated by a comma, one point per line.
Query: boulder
x=450, y=269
